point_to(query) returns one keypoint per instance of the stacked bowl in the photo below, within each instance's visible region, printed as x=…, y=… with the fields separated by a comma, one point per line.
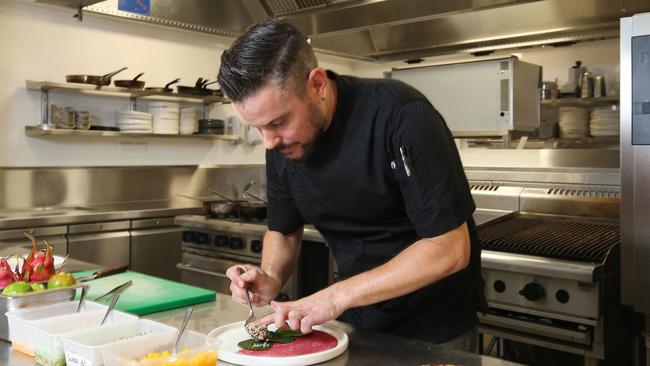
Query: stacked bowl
x=133, y=122
x=188, y=123
x=574, y=122
x=165, y=117
x=604, y=122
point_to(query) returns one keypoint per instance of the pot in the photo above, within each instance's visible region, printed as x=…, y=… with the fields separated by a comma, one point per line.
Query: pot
x=93, y=79
x=131, y=84
x=165, y=89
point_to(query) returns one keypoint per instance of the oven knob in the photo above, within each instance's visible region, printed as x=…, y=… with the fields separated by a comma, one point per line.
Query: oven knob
x=221, y=240
x=533, y=291
x=201, y=238
x=236, y=243
x=188, y=236
x=499, y=286
x=562, y=296
x=256, y=246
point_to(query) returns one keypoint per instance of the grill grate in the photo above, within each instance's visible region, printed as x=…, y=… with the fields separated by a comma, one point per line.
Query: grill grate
x=552, y=237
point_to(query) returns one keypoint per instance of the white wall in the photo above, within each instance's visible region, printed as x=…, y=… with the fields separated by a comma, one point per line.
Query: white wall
x=41, y=43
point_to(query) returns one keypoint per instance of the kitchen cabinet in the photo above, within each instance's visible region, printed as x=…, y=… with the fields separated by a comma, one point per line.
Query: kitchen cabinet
x=156, y=247
x=44, y=129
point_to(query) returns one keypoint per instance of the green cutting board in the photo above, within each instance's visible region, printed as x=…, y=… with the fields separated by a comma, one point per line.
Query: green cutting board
x=147, y=294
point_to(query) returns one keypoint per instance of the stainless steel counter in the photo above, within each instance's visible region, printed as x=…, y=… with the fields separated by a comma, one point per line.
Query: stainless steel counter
x=365, y=348
x=49, y=216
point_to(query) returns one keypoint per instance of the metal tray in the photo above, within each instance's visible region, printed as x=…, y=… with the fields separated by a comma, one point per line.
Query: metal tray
x=8, y=303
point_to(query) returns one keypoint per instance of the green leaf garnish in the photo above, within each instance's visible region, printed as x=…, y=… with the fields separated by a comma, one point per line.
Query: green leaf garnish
x=254, y=345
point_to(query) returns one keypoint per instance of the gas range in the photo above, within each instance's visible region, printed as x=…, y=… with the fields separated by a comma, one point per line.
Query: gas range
x=210, y=246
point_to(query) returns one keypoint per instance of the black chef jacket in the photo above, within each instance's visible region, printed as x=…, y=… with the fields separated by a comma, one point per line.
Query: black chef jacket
x=355, y=190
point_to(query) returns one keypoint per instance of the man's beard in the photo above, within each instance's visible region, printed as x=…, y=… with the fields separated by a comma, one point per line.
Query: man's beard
x=319, y=124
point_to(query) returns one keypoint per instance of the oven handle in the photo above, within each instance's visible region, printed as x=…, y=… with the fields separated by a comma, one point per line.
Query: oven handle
x=184, y=267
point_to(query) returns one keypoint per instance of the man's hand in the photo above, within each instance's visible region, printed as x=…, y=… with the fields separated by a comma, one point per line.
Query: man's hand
x=262, y=287
x=303, y=314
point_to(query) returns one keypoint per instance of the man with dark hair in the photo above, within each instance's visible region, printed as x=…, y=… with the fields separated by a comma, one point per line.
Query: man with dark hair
x=372, y=165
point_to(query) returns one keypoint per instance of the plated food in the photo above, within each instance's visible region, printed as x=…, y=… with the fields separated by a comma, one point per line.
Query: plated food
x=286, y=347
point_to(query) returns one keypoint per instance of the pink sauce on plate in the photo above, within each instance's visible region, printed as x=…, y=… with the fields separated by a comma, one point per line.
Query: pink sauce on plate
x=315, y=342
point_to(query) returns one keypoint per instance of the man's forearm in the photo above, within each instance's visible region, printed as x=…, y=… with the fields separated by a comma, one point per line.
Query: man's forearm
x=280, y=254
x=424, y=262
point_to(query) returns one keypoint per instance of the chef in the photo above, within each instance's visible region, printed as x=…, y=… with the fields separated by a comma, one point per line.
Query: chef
x=372, y=165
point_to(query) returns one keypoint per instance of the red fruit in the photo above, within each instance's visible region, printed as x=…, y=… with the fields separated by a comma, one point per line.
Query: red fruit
x=27, y=267
x=43, y=265
x=6, y=275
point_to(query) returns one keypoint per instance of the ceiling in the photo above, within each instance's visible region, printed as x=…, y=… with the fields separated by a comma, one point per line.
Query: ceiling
x=389, y=30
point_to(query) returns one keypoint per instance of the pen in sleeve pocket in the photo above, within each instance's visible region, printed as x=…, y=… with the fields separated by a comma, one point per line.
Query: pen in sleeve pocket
x=406, y=159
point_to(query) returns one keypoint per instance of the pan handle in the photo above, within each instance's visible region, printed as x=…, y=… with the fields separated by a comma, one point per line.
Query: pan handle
x=172, y=82
x=110, y=75
x=137, y=76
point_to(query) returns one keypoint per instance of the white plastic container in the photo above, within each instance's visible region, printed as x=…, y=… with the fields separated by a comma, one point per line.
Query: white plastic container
x=48, y=349
x=84, y=347
x=21, y=321
x=201, y=351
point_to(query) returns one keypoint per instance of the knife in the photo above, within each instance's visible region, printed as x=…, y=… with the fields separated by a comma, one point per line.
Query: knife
x=104, y=272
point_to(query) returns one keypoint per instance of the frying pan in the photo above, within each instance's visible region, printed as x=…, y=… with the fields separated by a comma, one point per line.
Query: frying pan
x=93, y=79
x=165, y=89
x=131, y=84
x=194, y=90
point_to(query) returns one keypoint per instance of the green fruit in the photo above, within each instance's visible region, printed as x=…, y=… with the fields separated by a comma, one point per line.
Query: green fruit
x=38, y=286
x=17, y=288
x=61, y=279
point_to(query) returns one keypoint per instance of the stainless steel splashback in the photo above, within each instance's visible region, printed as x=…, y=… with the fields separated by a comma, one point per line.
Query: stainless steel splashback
x=69, y=187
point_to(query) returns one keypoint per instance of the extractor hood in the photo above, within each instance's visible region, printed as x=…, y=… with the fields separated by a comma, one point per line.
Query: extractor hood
x=387, y=30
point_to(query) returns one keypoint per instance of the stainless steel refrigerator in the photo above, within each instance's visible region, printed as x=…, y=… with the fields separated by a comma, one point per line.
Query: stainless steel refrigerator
x=635, y=166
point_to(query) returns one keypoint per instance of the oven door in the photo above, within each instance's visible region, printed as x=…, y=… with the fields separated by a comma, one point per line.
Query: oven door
x=198, y=269
x=208, y=272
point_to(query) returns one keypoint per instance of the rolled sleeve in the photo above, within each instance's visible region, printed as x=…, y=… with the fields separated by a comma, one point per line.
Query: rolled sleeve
x=436, y=194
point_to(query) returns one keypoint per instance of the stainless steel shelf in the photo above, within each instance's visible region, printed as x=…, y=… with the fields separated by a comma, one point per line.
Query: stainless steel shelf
x=123, y=92
x=581, y=101
x=44, y=131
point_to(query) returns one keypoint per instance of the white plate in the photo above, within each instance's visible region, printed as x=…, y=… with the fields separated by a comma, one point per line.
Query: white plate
x=231, y=334
x=58, y=261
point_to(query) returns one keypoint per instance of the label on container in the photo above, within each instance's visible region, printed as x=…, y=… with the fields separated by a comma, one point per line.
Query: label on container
x=72, y=359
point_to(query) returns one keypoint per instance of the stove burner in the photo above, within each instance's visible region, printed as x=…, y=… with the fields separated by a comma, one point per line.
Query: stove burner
x=552, y=237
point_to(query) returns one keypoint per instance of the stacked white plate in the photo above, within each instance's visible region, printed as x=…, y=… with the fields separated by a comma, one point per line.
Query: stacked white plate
x=165, y=117
x=574, y=122
x=188, y=124
x=133, y=122
x=604, y=122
